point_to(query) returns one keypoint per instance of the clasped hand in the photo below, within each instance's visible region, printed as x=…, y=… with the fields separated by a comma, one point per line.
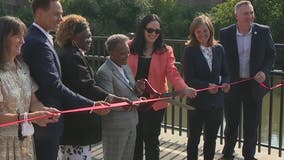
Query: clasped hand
x=213, y=88
x=53, y=117
x=260, y=77
x=189, y=92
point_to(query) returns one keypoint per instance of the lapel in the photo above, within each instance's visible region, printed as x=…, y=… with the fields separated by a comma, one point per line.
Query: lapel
x=89, y=67
x=214, y=60
x=235, y=52
x=46, y=41
x=203, y=59
x=253, y=45
x=129, y=76
x=86, y=63
x=118, y=75
x=55, y=56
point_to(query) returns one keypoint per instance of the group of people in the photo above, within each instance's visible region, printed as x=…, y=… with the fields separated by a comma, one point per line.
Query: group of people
x=246, y=51
x=42, y=76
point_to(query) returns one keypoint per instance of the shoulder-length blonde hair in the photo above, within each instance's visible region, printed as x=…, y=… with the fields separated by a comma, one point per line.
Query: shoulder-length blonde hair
x=198, y=21
x=69, y=27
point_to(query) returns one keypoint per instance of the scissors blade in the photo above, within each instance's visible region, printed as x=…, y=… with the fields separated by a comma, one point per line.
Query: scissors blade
x=177, y=103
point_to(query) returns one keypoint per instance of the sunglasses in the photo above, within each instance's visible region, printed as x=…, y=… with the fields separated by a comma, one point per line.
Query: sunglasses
x=151, y=30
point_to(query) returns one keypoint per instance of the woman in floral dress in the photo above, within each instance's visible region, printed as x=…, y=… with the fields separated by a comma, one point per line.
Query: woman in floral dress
x=17, y=94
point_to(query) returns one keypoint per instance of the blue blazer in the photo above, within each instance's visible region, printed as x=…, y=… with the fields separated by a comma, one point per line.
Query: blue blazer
x=198, y=75
x=45, y=68
x=262, y=54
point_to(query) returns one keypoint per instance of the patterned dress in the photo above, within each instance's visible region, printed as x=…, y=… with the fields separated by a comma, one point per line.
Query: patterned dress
x=16, y=89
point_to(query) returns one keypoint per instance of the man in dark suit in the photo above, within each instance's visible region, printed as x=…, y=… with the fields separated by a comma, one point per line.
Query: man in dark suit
x=39, y=54
x=250, y=52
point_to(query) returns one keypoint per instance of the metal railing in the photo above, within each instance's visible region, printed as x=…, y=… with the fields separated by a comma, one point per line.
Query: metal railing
x=270, y=133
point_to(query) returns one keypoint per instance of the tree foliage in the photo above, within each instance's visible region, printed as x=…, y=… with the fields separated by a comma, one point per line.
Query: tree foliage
x=271, y=12
x=121, y=16
x=109, y=16
x=176, y=17
x=23, y=12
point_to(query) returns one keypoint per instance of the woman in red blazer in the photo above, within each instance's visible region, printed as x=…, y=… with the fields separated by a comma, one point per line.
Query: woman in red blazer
x=152, y=59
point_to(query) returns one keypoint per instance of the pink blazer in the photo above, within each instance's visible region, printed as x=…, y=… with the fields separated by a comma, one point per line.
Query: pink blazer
x=162, y=68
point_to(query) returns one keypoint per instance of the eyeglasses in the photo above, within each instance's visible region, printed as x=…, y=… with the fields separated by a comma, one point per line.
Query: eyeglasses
x=151, y=30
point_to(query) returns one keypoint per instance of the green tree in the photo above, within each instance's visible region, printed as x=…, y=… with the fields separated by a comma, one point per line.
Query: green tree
x=109, y=16
x=271, y=12
x=23, y=12
x=175, y=17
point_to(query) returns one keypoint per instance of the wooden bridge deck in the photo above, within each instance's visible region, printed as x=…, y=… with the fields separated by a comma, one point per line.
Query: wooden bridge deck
x=173, y=147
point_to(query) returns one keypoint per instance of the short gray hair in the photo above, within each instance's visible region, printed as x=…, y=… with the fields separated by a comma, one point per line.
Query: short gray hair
x=115, y=39
x=241, y=3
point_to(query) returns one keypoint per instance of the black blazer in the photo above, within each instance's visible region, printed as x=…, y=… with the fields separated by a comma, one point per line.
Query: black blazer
x=198, y=75
x=262, y=54
x=44, y=66
x=81, y=128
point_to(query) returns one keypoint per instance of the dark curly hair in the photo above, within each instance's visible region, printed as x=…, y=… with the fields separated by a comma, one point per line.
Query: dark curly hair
x=69, y=27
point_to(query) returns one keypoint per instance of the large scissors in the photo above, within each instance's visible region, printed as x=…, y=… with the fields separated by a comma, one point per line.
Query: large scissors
x=150, y=90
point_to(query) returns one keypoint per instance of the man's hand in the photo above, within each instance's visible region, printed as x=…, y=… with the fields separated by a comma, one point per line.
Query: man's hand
x=226, y=87
x=260, y=77
x=213, y=88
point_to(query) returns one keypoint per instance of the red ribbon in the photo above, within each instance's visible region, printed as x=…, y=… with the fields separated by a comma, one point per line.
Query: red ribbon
x=114, y=105
x=273, y=87
x=220, y=86
x=148, y=89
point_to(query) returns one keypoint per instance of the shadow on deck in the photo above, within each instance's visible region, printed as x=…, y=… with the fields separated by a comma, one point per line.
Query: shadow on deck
x=173, y=147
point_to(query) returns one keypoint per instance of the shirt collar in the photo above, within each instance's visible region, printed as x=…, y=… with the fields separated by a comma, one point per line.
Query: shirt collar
x=204, y=48
x=43, y=31
x=116, y=66
x=241, y=34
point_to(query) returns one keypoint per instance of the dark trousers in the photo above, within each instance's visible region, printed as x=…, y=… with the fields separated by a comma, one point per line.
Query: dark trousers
x=240, y=97
x=148, y=131
x=46, y=142
x=209, y=121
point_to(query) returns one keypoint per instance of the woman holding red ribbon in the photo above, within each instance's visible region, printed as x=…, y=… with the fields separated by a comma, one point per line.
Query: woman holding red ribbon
x=204, y=67
x=81, y=130
x=150, y=58
x=17, y=96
